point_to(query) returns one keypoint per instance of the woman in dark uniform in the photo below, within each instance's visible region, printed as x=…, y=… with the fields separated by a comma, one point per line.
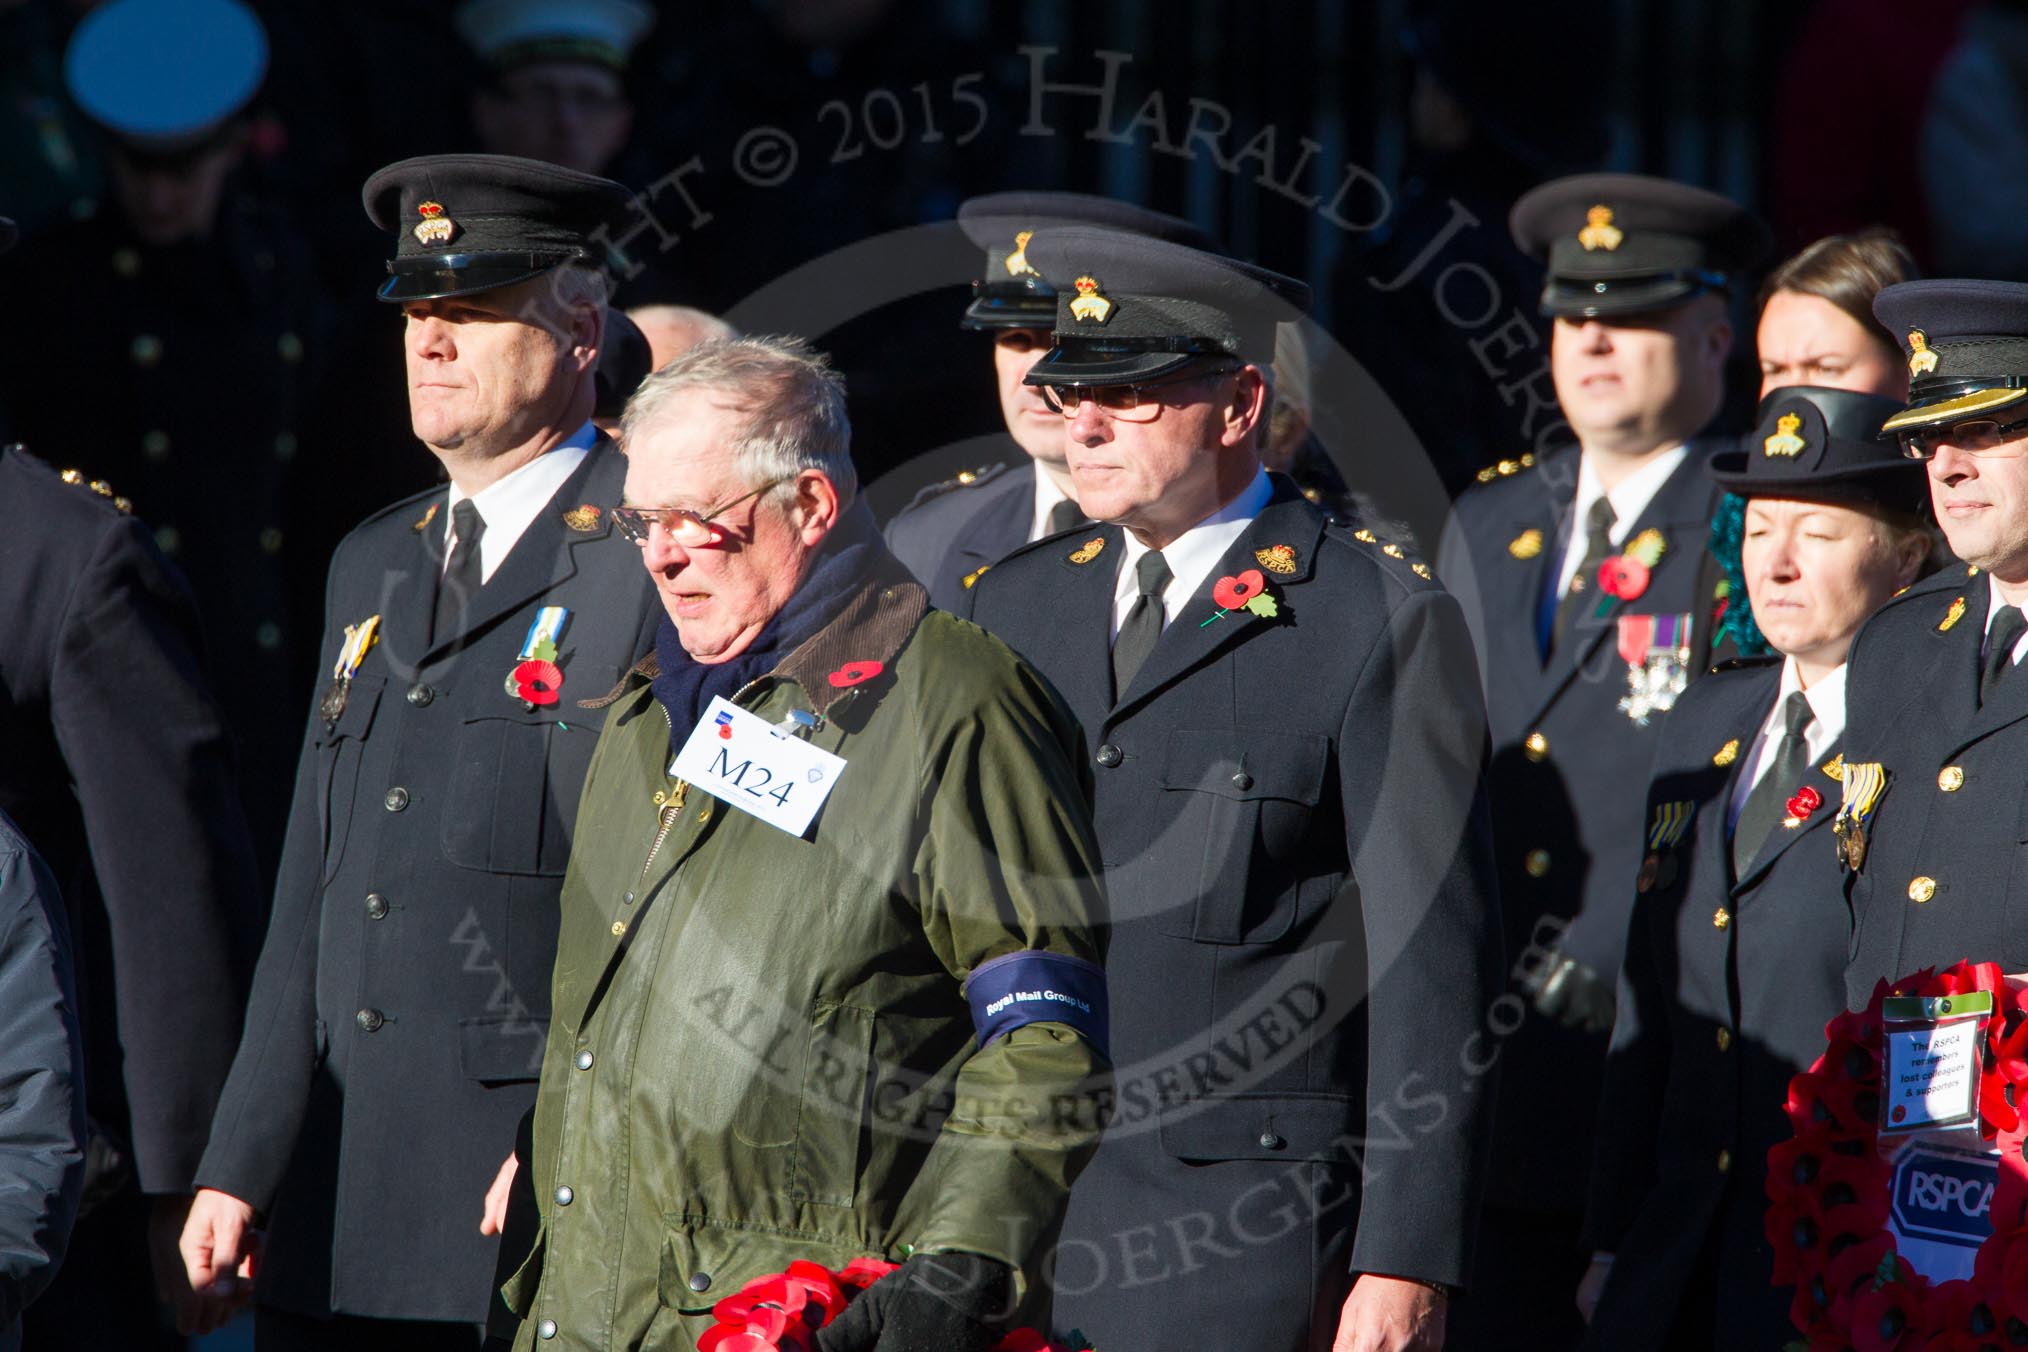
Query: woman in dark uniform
x=1737, y=949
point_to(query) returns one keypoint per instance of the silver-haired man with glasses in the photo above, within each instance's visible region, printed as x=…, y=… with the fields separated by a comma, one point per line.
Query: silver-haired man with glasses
x=827, y=984
x=1931, y=823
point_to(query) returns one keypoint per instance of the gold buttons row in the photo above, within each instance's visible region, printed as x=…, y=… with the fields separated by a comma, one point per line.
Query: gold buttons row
x=1921, y=889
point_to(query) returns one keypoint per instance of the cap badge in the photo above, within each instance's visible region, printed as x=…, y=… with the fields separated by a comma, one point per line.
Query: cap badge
x=1017, y=262
x=1277, y=559
x=1921, y=360
x=1785, y=441
x=434, y=227
x=1090, y=303
x=1599, y=231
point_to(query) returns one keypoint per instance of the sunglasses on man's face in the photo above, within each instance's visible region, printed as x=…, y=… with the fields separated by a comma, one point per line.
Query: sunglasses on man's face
x=683, y=525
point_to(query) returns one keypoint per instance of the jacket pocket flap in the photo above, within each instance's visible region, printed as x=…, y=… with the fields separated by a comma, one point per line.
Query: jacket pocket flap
x=1246, y=765
x=704, y=1262
x=1317, y=1127
x=518, y=1291
x=502, y=1050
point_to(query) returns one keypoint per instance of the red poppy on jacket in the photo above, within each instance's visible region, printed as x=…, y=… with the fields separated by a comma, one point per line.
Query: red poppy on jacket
x=855, y=673
x=1623, y=577
x=1233, y=592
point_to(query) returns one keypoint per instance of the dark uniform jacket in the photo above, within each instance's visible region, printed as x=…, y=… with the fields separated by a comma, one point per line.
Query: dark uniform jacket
x=212, y=352
x=1944, y=875
x=1566, y=775
x=115, y=763
x=953, y=531
x=1725, y=992
x=42, y=1117
x=1303, y=933
x=402, y=999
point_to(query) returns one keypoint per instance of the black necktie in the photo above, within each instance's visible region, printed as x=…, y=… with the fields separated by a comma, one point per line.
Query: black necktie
x=2007, y=628
x=1768, y=803
x=1598, y=543
x=462, y=577
x=1143, y=624
x=1062, y=517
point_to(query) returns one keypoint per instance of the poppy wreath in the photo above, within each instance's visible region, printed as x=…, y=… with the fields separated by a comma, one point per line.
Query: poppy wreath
x=1828, y=1192
x=782, y=1312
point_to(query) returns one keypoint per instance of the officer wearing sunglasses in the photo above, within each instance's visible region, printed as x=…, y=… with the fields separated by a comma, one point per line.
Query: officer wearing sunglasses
x=1935, y=697
x=1268, y=695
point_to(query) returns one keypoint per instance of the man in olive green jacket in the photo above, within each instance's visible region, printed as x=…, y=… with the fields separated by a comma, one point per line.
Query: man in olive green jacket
x=881, y=1035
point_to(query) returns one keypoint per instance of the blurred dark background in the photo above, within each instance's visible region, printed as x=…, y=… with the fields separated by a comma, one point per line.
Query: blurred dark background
x=235, y=378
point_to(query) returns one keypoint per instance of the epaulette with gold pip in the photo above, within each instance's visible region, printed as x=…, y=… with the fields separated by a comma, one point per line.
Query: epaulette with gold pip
x=1506, y=469
x=968, y=478
x=1390, y=549
x=98, y=486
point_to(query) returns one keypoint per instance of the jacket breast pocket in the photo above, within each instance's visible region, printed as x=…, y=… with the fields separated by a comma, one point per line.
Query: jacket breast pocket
x=1237, y=813
x=339, y=750
x=513, y=793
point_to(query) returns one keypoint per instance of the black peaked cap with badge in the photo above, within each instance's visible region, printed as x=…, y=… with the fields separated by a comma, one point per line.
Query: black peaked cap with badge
x=1967, y=343
x=1129, y=308
x=1619, y=244
x=1822, y=445
x=469, y=223
x=1010, y=293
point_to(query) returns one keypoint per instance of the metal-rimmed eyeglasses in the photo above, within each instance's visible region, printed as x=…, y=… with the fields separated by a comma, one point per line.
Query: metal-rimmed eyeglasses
x=683, y=525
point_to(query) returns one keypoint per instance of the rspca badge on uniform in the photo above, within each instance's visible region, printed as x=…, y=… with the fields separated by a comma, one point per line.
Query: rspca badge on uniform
x=434, y=227
x=1656, y=649
x=1090, y=305
x=1785, y=441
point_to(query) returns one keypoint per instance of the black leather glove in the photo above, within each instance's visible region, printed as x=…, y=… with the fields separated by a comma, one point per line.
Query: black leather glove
x=934, y=1302
x=1576, y=996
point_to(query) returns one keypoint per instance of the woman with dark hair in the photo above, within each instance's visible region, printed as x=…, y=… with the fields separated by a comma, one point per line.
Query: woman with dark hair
x=1816, y=316
x=1816, y=328
x=1736, y=954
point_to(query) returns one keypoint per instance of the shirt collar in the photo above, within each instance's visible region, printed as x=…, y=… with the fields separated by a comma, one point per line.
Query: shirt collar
x=1631, y=496
x=1047, y=495
x=1827, y=705
x=511, y=502
x=1192, y=554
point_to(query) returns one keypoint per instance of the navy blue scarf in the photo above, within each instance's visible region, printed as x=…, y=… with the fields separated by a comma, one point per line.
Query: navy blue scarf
x=685, y=687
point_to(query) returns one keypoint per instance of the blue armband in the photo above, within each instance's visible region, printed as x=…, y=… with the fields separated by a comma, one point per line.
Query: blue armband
x=1036, y=987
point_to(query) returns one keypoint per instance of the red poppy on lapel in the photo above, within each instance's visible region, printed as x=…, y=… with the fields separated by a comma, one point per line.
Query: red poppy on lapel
x=855, y=673
x=1623, y=577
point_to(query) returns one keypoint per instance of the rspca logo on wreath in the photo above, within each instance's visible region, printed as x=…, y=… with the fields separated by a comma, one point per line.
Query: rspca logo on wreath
x=1945, y=1197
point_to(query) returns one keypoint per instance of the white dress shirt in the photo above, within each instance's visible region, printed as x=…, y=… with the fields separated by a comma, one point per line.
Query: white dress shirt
x=1827, y=723
x=1630, y=497
x=1191, y=555
x=509, y=504
x=1993, y=604
x=1047, y=495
